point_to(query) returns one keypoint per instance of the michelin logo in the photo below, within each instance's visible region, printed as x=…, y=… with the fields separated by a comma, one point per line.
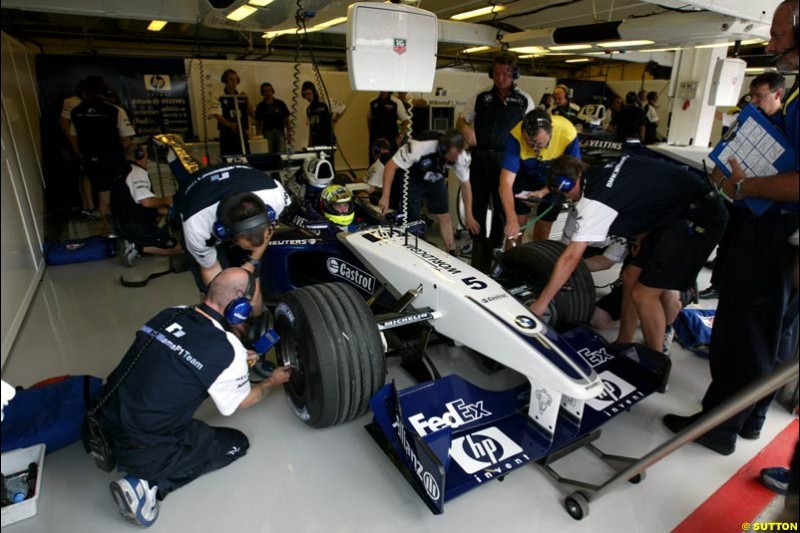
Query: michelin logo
x=356, y=276
x=481, y=450
x=457, y=414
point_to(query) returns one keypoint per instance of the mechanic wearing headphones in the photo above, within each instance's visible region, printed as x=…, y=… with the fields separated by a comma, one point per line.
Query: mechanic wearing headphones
x=228, y=210
x=382, y=153
x=531, y=146
x=225, y=107
x=321, y=120
x=272, y=117
x=138, y=215
x=178, y=359
x=384, y=113
x=562, y=106
x=426, y=163
x=489, y=116
x=756, y=324
x=681, y=217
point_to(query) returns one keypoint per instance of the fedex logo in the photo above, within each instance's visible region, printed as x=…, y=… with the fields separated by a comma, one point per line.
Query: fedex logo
x=457, y=414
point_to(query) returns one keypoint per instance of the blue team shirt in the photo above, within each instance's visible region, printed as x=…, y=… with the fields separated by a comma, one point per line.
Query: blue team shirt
x=523, y=160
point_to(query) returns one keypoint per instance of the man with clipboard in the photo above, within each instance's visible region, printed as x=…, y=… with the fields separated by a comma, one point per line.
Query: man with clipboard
x=756, y=323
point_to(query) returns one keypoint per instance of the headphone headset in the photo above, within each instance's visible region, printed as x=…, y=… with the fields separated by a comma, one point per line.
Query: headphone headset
x=452, y=138
x=380, y=145
x=139, y=154
x=561, y=183
x=222, y=233
x=239, y=309
x=507, y=59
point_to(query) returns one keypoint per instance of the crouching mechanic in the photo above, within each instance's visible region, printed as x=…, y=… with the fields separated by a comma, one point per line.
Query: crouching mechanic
x=138, y=215
x=426, y=163
x=531, y=145
x=228, y=211
x=680, y=215
x=179, y=358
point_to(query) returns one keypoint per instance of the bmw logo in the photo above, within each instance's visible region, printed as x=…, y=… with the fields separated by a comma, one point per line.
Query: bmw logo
x=525, y=322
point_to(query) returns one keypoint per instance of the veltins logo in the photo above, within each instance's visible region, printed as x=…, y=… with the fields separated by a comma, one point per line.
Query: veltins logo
x=483, y=449
x=525, y=322
x=399, y=46
x=348, y=272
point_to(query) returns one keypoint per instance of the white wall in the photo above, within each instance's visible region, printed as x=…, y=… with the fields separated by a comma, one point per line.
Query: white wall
x=22, y=207
x=351, y=131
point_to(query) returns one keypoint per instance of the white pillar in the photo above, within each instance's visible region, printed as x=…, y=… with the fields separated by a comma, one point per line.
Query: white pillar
x=692, y=126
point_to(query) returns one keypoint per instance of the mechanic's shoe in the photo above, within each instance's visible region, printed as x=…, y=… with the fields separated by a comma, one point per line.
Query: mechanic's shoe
x=709, y=293
x=129, y=253
x=669, y=336
x=136, y=500
x=453, y=252
x=676, y=424
x=776, y=479
x=466, y=250
x=750, y=433
x=91, y=215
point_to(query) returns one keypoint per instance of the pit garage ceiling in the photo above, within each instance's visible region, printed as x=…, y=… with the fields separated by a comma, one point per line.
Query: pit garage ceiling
x=668, y=23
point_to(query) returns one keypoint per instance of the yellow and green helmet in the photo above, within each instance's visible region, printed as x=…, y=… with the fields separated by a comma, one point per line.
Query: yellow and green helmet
x=336, y=203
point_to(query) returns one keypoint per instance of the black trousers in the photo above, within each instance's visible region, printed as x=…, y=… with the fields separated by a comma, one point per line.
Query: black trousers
x=202, y=450
x=756, y=324
x=484, y=176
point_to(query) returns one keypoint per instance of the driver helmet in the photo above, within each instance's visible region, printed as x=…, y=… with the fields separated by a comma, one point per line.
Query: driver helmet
x=337, y=205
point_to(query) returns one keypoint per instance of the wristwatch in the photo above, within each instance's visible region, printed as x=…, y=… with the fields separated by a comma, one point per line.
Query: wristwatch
x=255, y=262
x=738, y=189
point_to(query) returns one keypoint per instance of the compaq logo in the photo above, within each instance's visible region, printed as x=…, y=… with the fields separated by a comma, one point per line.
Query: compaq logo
x=176, y=330
x=355, y=276
x=457, y=414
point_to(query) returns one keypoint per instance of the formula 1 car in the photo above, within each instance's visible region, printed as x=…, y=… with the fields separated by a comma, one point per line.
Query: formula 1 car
x=344, y=301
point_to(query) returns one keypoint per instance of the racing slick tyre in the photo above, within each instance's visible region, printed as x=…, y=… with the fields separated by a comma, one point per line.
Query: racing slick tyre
x=533, y=262
x=328, y=335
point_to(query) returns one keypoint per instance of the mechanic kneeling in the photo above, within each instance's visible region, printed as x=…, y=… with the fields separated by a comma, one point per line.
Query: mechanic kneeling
x=179, y=358
x=681, y=216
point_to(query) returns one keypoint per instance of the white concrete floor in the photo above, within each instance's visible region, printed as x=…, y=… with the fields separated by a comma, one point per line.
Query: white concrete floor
x=337, y=480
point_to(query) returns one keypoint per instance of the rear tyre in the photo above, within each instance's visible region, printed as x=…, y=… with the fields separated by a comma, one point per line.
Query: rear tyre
x=533, y=262
x=329, y=335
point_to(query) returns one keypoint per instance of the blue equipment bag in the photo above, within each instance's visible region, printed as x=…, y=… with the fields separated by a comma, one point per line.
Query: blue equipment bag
x=693, y=330
x=80, y=250
x=51, y=414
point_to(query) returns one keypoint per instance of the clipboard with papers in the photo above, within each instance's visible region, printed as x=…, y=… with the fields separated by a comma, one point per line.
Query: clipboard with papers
x=760, y=148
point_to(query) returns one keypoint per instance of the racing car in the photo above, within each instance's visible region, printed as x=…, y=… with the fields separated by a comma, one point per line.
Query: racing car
x=343, y=301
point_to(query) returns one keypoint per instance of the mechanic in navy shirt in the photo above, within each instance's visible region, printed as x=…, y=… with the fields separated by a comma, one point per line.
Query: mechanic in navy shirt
x=384, y=114
x=486, y=123
x=530, y=147
x=680, y=216
x=193, y=355
x=756, y=324
x=321, y=119
x=272, y=117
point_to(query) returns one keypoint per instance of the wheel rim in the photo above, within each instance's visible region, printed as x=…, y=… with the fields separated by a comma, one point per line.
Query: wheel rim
x=291, y=354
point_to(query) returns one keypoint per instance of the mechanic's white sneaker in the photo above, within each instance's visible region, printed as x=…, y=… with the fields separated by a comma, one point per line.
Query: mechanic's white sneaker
x=669, y=336
x=129, y=253
x=136, y=500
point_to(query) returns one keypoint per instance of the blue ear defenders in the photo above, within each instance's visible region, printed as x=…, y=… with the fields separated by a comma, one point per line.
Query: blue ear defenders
x=239, y=309
x=139, y=154
x=223, y=233
x=561, y=183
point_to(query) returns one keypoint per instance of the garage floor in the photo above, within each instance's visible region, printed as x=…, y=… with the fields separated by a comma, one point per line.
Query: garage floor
x=337, y=480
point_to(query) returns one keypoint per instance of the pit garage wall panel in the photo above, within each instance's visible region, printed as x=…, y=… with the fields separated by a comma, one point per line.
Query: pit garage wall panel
x=22, y=205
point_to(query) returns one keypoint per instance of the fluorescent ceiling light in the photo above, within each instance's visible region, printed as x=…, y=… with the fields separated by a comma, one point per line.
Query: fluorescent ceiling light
x=476, y=49
x=759, y=70
x=318, y=27
x=529, y=50
x=241, y=13
x=529, y=56
x=606, y=53
x=477, y=12
x=715, y=45
x=328, y=24
x=582, y=60
x=660, y=50
x=570, y=47
x=753, y=41
x=260, y=3
x=157, y=25
x=560, y=54
x=623, y=44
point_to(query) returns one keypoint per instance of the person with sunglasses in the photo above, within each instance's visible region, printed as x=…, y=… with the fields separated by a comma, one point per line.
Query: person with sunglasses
x=530, y=147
